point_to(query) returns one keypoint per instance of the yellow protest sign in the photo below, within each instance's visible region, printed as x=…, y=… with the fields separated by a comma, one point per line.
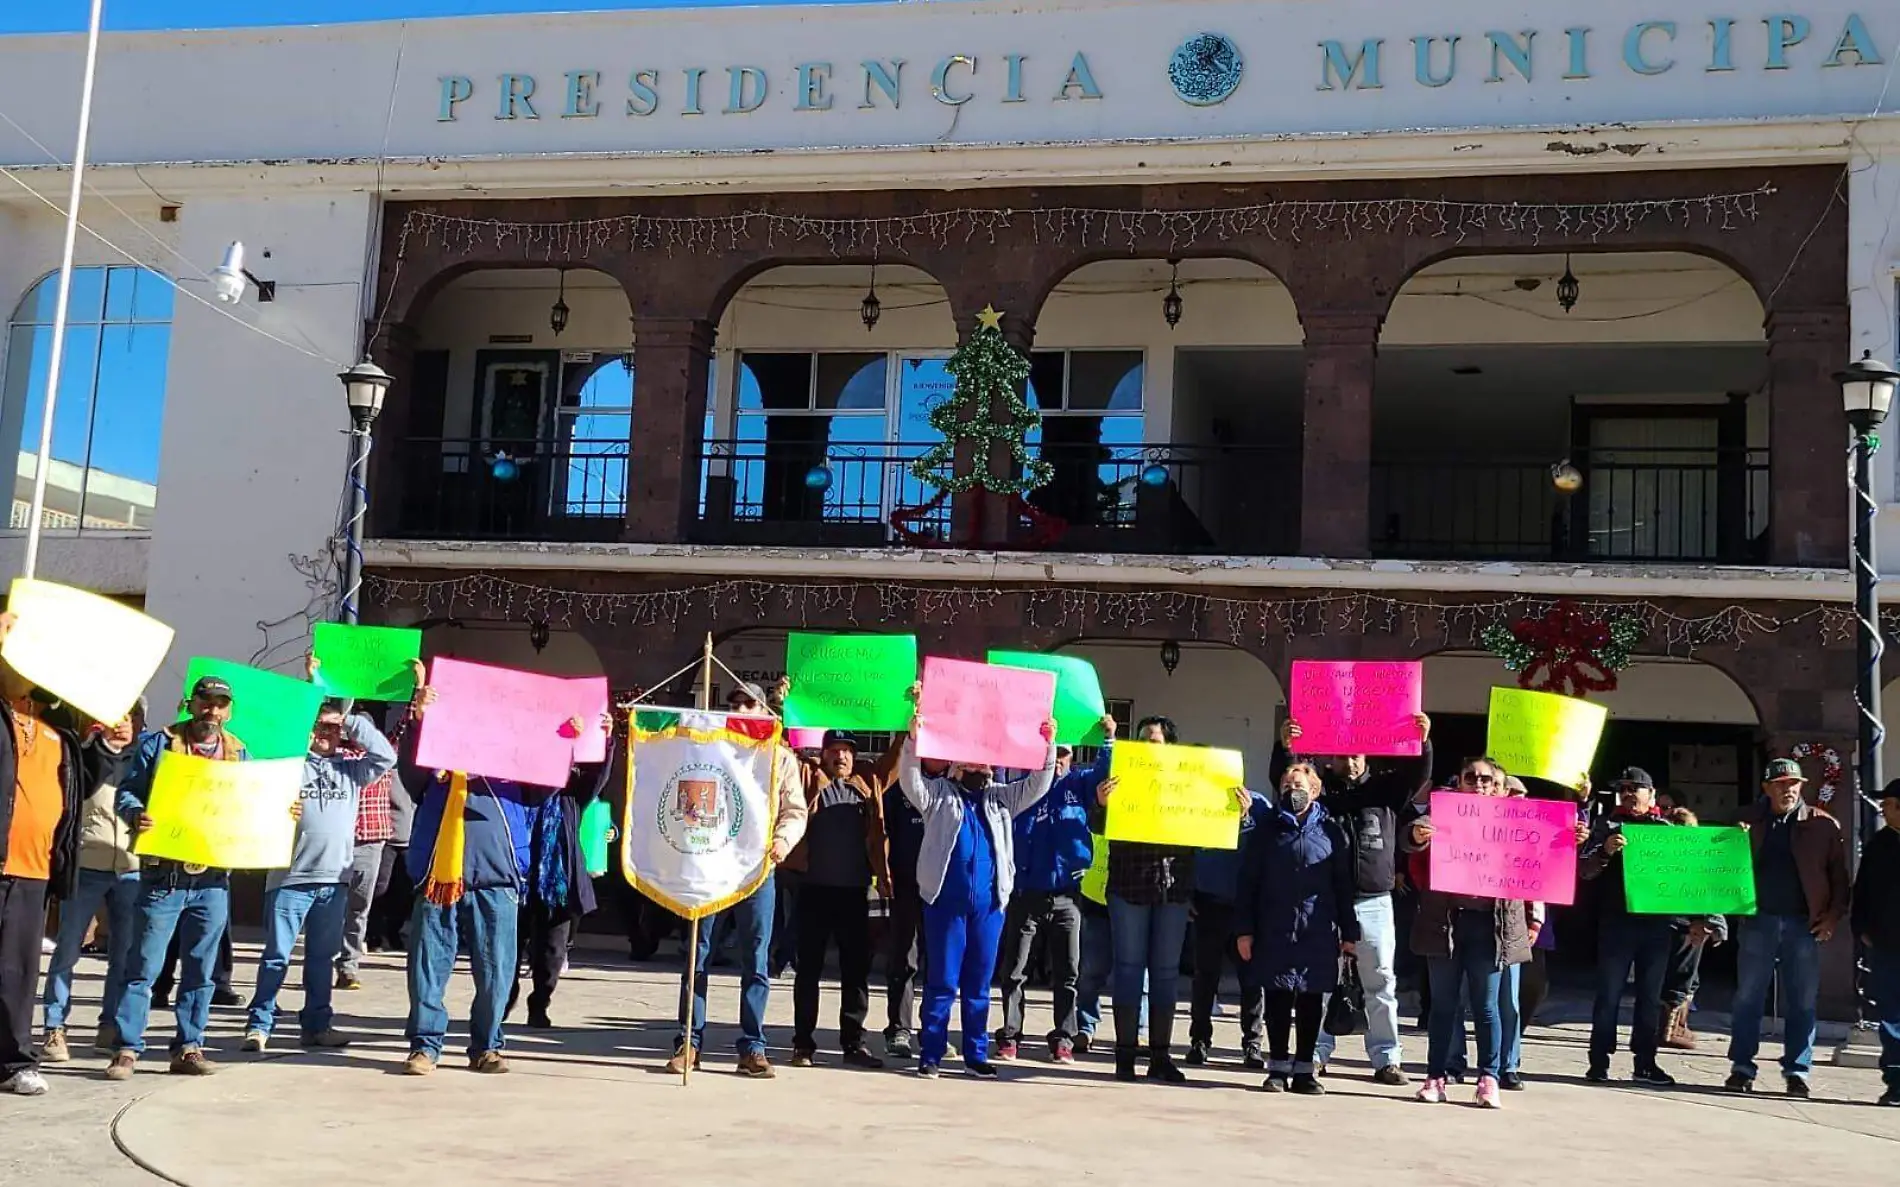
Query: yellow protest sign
x=1174, y=795
x=226, y=815
x=1543, y=735
x=92, y=652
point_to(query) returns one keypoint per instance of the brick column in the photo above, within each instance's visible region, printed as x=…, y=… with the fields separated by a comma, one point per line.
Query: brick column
x=1336, y=437
x=672, y=357
x=1807, y=437
x=392, y=462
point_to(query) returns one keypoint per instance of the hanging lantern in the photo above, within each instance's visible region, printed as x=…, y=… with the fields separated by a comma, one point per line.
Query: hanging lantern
x=538, y=635
x=872, y=308
x=1566, y=477
x=818, y=478
x=1171, y=304
x=1170, y=656
x=557, y=316
x=1568, y=290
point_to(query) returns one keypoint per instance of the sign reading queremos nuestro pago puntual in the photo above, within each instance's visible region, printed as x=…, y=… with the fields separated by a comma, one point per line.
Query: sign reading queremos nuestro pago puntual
x=957, y=72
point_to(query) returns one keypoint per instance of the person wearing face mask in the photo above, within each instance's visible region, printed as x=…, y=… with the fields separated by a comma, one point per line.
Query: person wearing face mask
x=1294, y=920
x=1801, y=892
x=966, y=868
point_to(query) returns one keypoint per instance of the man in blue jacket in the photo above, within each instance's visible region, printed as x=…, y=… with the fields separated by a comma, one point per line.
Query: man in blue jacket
x=1053, y=851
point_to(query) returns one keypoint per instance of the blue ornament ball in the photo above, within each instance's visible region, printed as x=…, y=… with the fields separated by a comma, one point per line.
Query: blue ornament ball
x=818, y=478
x=503, y=468
x=1154, y=474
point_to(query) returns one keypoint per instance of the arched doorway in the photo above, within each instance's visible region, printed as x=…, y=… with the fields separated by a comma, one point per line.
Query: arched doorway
x=1217, y=695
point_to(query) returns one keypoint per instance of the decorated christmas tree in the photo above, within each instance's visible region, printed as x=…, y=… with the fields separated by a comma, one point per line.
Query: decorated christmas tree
x=989, y=371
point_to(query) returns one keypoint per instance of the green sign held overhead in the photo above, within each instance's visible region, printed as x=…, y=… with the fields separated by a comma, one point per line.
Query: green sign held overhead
x=367, y=663
x=1079, y=705
x=1688, y=871
x=850, y=682
x=270, y=713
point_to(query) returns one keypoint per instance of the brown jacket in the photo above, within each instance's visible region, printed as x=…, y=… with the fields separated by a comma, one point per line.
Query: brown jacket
x=1438, y=913
x=1820, y=858
x=870, y=783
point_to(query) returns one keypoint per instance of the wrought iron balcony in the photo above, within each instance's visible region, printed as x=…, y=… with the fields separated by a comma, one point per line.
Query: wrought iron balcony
x=813, y=493
x=464, y=489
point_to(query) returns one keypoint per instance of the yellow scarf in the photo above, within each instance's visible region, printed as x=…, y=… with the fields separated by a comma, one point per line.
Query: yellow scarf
x=444, y=887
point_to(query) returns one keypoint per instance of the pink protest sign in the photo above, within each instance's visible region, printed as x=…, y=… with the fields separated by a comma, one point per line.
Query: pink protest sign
x=1357, y=707
x=804, y=737
x=499, y=722
x=984, y=713
x=1504, y=847
x=589, y=696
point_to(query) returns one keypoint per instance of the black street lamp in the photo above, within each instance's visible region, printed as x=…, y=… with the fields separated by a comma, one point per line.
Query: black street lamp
x=1867, y=388
x=363, y=387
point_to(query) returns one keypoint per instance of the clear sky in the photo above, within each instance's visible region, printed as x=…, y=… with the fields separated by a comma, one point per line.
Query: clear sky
x=59, y=16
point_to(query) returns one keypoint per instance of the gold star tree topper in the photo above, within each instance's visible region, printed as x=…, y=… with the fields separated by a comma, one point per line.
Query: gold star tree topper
x=990, y=318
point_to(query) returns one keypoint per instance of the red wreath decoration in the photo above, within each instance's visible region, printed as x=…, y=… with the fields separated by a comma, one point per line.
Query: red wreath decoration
x=1566, y=651
x=1833, y=771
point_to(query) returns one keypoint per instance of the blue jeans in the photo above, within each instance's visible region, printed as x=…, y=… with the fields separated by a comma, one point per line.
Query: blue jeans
x=1375, y=953
x=1643, y=943
x=960, y=960
x=1885, y=969
x=1470, y=972
x=484, y=922
x=1510, y=1025
x=1097, y=967
x=120, y=895
x=318, y=911
x=196, y=907
x=1147, y=941
x=1763, y=942
x=751, y=922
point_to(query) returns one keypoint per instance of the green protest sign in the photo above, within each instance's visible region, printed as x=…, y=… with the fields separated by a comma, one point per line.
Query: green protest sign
x=1688, y=871
x=1079, y=705
x=270, y=713
x=367, y=663
x=850, y=682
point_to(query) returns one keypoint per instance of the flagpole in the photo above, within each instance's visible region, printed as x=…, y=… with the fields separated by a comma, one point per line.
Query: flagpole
x=56, y=358
x=703, y=700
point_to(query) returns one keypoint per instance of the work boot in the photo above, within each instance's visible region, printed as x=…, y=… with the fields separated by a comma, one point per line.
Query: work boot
x=1160, y=1061
x=1676, y=1035
x=191, y=1061
x=53, y=1047
x=1127, y=1048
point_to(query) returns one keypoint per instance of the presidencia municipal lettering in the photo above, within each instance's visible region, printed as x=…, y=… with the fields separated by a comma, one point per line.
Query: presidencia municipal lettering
x=962, y=73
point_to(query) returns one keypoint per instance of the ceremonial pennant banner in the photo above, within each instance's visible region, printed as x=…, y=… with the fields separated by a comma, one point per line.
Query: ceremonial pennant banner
x=1496, y=846
x=1357, y=707
x=271, y=713
x=499, y=722
x=91, y=652
x=1543, y=735
x=223, y=815
x=981, y=713
x=1175, y=795
x=366, y=663
x=1079, y=704
x=850, y=682
x=701, y=805
x=653, y=719
x=1688, y=871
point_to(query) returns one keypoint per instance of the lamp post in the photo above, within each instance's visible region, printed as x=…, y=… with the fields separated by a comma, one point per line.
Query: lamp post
x=1867, y=388
x=363, y=387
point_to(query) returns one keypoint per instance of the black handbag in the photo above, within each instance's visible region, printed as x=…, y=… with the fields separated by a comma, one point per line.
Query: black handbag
x=1346, y=1010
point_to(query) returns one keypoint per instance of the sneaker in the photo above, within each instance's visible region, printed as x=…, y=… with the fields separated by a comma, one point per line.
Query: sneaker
x=418, y=1064
x=1084, y=1043
x=1162, y=1070
x=1652, y=1077
x=1891, y=1097
x=122, y=1066
x=1274, y=1083
x=755, y=1065
x=1307, y=1085
x=1391, y=1075
x=676, y=1066
x=927, y=1071
x=192, y=1062
x=348, y=981
x=328, y=1040
x=48, y=946
x=1511, y=1082
x=1253, y=1059
x=860, y=1056
x=1597, y=1075
x=1196, y=1054
x=489, y=1063
x=1432, y=1092
x=25, y=1082
x=1062, y=1051
x=107, y=1039
x=255, y=1040
x=53, y=1047
x=1487, y=1097
x=226, y=998
x=897, y=1045
x=1006, y=1050
x=1737, y=1082
x=802, y=1057
x=1797, y=1087
x=981, y=1069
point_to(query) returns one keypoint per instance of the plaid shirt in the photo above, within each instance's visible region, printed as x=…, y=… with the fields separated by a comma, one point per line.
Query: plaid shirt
x=1143, y=874
x=373, y=820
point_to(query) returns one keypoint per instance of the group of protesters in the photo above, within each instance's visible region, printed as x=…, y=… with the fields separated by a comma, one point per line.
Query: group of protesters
x=976, y=870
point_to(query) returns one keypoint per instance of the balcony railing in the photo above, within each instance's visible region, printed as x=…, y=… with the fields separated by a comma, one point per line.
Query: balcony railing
x=1240, y=500
x=464, y=489
x=813, y=494
x=1665, y=505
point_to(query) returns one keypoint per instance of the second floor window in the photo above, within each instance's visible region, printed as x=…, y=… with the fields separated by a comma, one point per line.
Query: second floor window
x=107, y=421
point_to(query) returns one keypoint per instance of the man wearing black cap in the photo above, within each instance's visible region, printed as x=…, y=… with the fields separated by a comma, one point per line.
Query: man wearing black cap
x=192, y=902
x=1626, y=941
x=841, y=858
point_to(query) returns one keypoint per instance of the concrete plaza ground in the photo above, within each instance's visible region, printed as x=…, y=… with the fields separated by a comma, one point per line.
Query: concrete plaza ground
x=586, y=1102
